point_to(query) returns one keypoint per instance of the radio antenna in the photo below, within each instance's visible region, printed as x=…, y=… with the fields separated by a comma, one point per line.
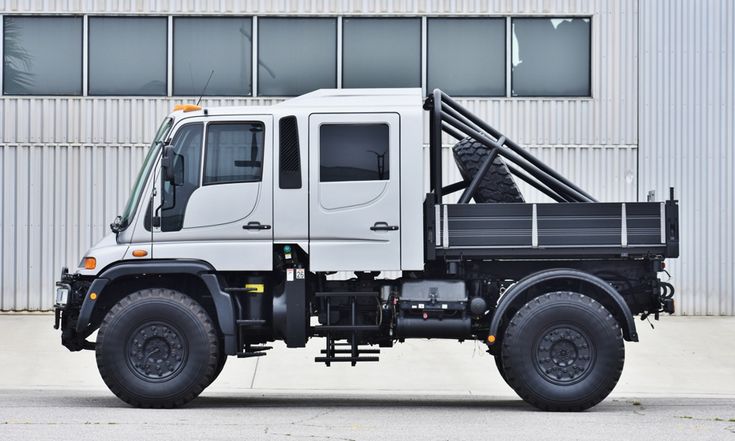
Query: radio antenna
x=205, y=87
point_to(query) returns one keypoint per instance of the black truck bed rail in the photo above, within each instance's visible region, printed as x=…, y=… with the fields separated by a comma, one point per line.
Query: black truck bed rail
x=582, y=230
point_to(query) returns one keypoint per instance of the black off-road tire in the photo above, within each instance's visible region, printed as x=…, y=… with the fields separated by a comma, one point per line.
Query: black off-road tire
x=501, y=369
x=498, y=185
x=563, y=351
x=157, y=348
x=220, y=365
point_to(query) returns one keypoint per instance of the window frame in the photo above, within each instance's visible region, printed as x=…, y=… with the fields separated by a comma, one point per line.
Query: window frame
x=172, y=44
x=205, y=150
x=422, y=35
x=337, y=59
x=509, y=93
x=3, y=52
x=166, y=57
x=506, y=59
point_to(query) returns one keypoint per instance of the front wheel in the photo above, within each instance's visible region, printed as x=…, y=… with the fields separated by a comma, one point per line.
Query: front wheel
x=563, y=351
x=157, y=348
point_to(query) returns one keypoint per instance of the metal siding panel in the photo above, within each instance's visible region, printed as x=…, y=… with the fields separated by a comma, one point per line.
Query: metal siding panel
x=89, y=148
x=687, y=112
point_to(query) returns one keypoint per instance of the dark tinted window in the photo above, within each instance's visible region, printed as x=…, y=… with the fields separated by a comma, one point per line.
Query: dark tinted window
x=551, y=57
x=289, y=172
x=381, y=52
x=226, y=50
x=234, y=153
x=127, y=55
x=354, y=152
x=42, y=55
x=187, y=144
x=296, y=55
x=479, y=43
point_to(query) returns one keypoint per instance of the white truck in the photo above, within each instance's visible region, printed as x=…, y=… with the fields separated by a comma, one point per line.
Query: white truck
x=240, y=215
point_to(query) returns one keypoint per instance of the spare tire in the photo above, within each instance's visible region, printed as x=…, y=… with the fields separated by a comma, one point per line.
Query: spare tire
x=497, y=185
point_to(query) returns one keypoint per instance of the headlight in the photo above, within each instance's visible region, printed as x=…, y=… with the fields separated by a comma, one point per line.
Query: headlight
x=62, y=296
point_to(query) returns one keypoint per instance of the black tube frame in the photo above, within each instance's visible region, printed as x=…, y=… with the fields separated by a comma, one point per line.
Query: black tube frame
x=446, y=115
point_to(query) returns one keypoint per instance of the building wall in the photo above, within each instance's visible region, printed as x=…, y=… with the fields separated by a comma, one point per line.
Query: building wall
x=67, y=163
x=687, y=120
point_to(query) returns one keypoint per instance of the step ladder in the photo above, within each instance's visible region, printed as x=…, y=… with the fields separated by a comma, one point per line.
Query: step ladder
x=354, y=353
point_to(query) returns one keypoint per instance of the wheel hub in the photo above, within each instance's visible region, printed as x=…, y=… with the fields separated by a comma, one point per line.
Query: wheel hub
x=156, y=351
x=563, y=355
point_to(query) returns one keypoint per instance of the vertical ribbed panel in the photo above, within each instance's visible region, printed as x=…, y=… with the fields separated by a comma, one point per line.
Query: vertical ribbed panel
x=687, y=115
x=56, y=201
x=67, y=162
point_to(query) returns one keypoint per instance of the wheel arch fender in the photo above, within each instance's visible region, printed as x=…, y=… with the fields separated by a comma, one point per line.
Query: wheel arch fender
x=201, y=270
x=519, y=293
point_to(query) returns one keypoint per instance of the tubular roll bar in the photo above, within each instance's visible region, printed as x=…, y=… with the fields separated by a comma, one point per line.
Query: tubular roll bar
x=446, y=115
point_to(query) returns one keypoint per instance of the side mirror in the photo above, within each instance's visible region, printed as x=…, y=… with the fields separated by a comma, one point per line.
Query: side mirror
x=167, y=164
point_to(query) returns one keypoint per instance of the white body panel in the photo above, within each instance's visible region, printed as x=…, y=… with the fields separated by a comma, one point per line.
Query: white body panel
x=215, y=214
x=341, y=214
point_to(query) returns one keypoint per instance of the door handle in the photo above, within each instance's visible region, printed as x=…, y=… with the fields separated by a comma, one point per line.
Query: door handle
x=383, y=226
x=256, y=226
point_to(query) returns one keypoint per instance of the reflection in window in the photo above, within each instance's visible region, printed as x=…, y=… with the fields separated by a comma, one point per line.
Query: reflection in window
x=479, y=43
x=551, y=57
x=381, y=52
x=234, y=153
x=42, y=55
x=296, y=55
x=127, y=56
x=354, y=152
x=187, y=143
x=226, y=50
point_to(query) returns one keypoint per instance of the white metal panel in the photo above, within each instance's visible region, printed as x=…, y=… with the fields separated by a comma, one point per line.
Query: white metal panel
x=687, y=115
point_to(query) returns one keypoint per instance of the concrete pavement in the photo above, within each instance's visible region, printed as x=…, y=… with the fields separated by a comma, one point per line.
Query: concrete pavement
x=678, y=383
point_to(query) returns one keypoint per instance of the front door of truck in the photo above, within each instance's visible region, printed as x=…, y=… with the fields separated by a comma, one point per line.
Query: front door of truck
x=354, y=192
x=219, y=209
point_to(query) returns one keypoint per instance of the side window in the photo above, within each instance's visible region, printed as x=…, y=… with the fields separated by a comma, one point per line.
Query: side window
x=353, y=152
x=289, y=156
x=187, y=144
x=234, y=153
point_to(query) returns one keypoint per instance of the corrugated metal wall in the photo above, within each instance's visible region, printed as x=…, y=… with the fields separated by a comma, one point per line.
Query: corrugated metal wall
x=67, y=163
x=687, y=120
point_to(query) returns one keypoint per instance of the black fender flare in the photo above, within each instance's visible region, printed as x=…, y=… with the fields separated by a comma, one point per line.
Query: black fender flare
x=222, y=301
x=516, y=290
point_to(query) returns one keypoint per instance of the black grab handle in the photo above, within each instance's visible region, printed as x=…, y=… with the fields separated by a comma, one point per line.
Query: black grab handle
x=383, y=226
x=256, y=226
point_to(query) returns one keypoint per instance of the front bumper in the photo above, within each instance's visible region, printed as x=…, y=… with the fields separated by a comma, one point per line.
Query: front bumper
x=70, y=292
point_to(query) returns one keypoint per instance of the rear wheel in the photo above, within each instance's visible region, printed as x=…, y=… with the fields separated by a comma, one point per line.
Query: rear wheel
x=563, y=351
x=157, y=348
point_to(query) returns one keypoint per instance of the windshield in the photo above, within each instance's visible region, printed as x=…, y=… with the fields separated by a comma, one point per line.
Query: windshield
x=143, y=173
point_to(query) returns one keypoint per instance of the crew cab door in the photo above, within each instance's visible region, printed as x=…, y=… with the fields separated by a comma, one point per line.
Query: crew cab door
x=220, y=210
x=354, y=193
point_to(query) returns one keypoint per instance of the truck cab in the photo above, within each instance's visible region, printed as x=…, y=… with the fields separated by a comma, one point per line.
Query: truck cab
x=325, y=216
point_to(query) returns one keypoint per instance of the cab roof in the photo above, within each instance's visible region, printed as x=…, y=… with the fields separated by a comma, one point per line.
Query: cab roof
x=330, y=100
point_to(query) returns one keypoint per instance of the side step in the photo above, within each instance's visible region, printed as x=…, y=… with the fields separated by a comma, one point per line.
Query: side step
x=253, y=351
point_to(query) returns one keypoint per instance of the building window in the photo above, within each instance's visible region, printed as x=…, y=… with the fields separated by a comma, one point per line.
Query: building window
x=42, y=55
x=478, y=44
x=381, y=52
x=353, y=152
x=127, y=55
x=296, y=55
x=551, y=57
x=220, y=47
x=234, y=153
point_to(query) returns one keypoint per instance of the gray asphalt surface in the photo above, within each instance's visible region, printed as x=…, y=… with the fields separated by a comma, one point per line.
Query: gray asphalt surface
x=678, y=384
x=44, y=415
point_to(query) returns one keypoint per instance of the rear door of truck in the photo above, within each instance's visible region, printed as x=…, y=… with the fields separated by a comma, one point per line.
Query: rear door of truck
x=354, y=197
